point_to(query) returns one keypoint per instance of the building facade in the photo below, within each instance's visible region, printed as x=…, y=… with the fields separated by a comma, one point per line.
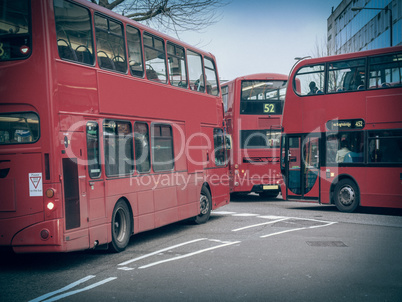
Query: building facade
x=356, y=25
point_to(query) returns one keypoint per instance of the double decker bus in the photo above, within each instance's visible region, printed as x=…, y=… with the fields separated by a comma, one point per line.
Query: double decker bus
x=107, y=128
x=342, y=130
x=253, y=113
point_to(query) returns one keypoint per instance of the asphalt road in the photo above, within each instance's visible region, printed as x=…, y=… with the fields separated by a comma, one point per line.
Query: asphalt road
x=250, y=250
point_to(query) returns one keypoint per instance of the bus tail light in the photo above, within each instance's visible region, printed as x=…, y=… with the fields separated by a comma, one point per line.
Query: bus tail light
x=50, y=205
x=49, y=193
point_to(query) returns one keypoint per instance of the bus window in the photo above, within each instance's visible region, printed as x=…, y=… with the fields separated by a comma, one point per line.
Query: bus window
x=162, y=148
x=177, y=65
x=345, y=147
x=141, y=140
x=311, y=79
x=155, y=60
x=118, y=148
x=94, y=165
x=256, y=139
x=211, y=77
x=74, y=32
x=195, y=71
x=262, y=97
x=385, y=71
x=346, y=76
x=225, y=96
x=110, y=45
x=385, y=146
x=19, y=128
x=15, y=33
x=134, y=51
x=219, y=147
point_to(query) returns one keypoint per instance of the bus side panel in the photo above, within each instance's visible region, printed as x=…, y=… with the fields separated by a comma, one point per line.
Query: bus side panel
x=150, y=99
x=385, y=188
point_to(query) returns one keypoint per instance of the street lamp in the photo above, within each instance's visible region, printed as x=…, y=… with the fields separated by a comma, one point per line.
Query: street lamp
x=377, y=8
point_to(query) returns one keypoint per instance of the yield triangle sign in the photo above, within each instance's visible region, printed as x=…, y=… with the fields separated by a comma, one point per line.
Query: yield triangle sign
x=35, y=181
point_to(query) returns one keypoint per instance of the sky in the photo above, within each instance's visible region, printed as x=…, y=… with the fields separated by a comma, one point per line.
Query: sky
x=255, y=36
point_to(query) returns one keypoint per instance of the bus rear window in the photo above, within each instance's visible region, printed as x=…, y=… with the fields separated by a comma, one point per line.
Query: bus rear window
x=15, y=30
x=262, y=97
x=19, y=128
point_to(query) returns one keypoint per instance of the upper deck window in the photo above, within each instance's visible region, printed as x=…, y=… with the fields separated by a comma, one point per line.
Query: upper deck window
x=134, y=51
x=15, y=29
x=110, y=44
x=385, y=71
x=311, y=79
x=346, y=76
x=19, y=128
x=211, y=77
x=155, y=59
x=74, y=32
x=262, y=97
x=177, y=65
x=195, y=71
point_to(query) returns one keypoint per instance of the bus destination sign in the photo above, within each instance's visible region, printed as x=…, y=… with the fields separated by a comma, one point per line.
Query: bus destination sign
x=345, y=124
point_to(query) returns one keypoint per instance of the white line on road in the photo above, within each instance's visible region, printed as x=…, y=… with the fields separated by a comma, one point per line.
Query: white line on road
x=160, y=251
x=190, y=254
x=80, y=290
x=66, y=288
x=259, y=224
x=298, y=229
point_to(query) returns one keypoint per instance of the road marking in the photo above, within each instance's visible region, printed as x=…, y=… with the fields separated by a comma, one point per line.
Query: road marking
x=223, y=212
x=298, y=229
x=191, y=254
x=66, y=288
x=245, y=215
x=160, y=251
x=259, y=224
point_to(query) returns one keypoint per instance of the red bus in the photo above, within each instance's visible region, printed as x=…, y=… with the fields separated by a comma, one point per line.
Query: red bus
x=253, y=112
x=107, y=128
x=342, y=130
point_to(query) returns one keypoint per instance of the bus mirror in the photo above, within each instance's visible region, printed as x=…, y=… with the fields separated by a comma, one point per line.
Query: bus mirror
x=228, y=141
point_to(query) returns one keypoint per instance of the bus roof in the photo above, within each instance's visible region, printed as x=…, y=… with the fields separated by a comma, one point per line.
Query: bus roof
x=346, y=56
x=260, y=76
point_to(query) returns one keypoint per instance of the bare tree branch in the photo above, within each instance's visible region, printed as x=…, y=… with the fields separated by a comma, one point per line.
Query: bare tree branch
x=169, y=15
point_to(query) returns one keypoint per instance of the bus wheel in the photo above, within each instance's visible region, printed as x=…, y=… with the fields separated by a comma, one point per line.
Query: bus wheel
x=121, y=227
x=346, y=196
x=205, y=206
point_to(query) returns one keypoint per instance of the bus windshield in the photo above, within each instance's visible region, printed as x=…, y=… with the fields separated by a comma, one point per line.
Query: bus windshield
x=15, y=30
x=262, y=97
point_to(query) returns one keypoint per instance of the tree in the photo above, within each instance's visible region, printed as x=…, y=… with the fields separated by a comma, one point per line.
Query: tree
x=168, y=15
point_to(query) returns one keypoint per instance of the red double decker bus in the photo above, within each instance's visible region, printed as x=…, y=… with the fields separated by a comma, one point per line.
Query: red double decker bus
x=342, y=130
x=107, y=128
x=253, y=112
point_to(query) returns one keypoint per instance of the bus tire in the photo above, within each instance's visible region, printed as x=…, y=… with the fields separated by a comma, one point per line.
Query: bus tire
x=205, y=206
x=346, y=196
x=121, y=227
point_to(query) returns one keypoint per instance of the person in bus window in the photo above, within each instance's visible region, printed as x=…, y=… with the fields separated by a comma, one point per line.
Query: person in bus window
x=340, y=154
x=313, y=88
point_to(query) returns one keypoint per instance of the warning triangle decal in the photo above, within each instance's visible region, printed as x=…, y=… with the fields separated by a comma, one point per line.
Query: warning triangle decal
x=35, y=181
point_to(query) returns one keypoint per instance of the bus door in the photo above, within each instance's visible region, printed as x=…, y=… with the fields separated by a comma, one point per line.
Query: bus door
x=302, y=166
x=74, y=186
